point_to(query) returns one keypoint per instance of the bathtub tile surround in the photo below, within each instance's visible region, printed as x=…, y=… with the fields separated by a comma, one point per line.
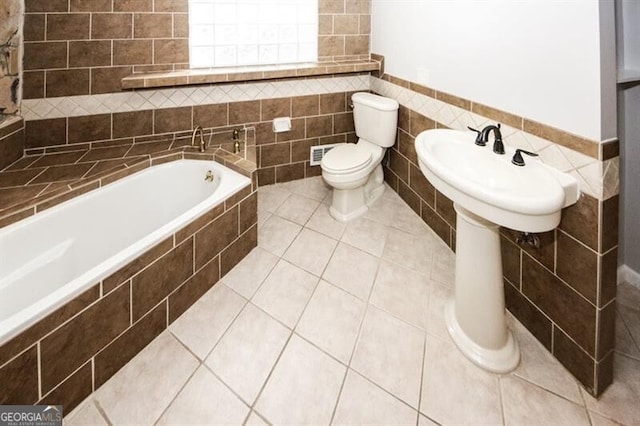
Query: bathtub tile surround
x=318, y=107
x=40, y=181
x=338, y=341
x=564, y=292
x=11, y=140
x=85, y=342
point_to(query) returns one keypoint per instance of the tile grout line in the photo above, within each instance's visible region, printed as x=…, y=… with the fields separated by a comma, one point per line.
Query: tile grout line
x=422, y=381
x=503, y=413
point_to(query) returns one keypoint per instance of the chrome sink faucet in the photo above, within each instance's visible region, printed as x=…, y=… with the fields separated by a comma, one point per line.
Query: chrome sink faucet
x=483, y=137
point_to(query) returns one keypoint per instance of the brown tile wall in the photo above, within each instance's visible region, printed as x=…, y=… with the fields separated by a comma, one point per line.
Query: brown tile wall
x=86, y=341
x=80, y=48
x=564, y=291
x=11, y=141
x=344, y=29
x=87, y=47
x=316, y=120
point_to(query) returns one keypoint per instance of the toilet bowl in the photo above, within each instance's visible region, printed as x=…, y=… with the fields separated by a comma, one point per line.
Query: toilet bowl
x=354, y=171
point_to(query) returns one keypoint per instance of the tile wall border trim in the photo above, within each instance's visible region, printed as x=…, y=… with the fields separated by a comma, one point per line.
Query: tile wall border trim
x=597, y=178
x=83, y=105
x=600, y=150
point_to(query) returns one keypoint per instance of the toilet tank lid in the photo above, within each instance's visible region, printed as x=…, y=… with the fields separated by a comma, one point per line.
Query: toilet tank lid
x=374, y=101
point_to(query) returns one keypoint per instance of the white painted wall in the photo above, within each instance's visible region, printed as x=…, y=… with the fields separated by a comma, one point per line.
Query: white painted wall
x=537, y=58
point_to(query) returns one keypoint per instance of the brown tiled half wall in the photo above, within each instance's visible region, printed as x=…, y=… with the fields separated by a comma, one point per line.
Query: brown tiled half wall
x=11, y=141
x=316, y=120
x=87, y=47
x=74, y=350
x=563, y=292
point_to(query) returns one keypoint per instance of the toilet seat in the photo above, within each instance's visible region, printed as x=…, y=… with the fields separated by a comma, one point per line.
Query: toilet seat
x=347, y=158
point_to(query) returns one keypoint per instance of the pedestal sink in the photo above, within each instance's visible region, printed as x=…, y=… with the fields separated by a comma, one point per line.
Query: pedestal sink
x=488, y=191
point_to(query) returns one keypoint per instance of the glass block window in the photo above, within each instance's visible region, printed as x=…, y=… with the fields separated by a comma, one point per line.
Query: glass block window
x=252, y=32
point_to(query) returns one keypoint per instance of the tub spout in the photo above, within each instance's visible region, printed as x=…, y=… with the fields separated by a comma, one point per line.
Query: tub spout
x=193, y=138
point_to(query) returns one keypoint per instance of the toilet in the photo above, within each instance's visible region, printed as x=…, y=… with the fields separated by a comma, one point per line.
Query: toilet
x=354, y=171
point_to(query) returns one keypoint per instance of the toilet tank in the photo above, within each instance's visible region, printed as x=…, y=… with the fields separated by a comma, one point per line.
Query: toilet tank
x=375, y=118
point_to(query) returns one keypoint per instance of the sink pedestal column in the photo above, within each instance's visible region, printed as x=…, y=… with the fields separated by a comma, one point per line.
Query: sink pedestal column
x=476, y=316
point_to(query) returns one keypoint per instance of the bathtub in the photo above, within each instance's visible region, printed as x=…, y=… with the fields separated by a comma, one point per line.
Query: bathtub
x=48, y=259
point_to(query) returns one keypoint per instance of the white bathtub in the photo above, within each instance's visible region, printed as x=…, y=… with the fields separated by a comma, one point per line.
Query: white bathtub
x=48, y=259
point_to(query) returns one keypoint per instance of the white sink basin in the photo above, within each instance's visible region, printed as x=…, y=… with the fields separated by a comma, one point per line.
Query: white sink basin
x=527, y=198
x=488, y=191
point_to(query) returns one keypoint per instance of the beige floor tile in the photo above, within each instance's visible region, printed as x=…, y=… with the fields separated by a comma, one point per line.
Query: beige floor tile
x=390, y=196
x=205, y=400
x=246, y=354
x=247, y=275
x=366, y=235
x=444, y=264
x=332, y=321
x=321, y=221
x=303, y=388
x=631, y=318
x=363, y=403
x=84, y=415
x=425, y=421
x=202, y=325
x=352, y=270
x=255, y=420
x=144, y=388
x=624, y=341
x=456, y=391
x=402, y=293
x=285, y=292
x=620, y=401
x=389, y=353
x=297, y=209
x=538, y=366
x=311, y=251
x=411, y=251
x=628, y=296
x=385, y=212
x=439, y=295
x=407, y=220
x=314, y=188
x=263, y=215
x=527, y=404
x=271, y=197
x=276, y=234
x=598, y=420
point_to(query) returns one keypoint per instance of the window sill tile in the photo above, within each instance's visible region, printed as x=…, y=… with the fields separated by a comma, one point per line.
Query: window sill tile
x=253, y=73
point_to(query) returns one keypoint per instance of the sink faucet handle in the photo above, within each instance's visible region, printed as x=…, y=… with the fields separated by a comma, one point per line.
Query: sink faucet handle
x=517, y=157
x=479, y=137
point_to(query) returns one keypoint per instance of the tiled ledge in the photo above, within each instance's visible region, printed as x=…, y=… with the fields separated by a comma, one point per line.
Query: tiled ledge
x=10, y=124
x=252, y=73
x=36, y=183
